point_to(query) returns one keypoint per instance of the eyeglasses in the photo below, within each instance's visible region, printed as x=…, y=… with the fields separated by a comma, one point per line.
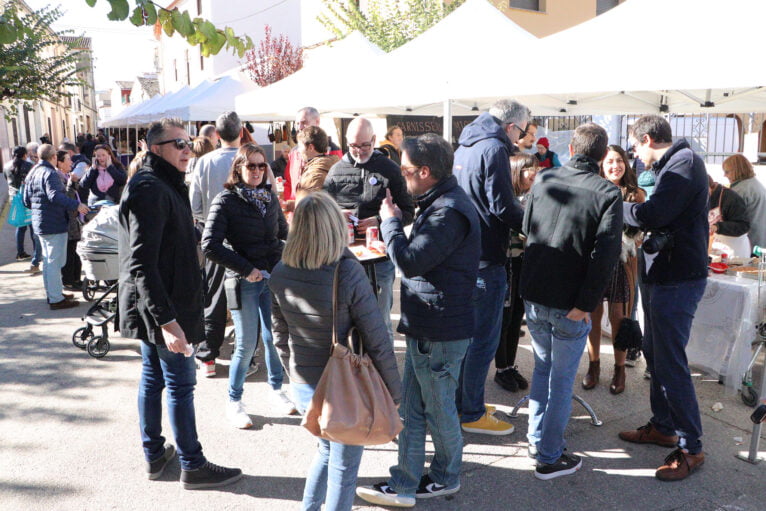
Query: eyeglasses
x=409, y=169
x=180, y=143
x=523, y=132
x=259, y=166
x=364, y=146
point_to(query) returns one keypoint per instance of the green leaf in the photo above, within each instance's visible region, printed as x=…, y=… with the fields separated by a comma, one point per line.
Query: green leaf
x=90, y=2
x=8, y=34
x=182, y=22
x=217, y=42
x=151, y=13
x=168, y=28
x=120, y=10
x=138, y=17
x=208, y=29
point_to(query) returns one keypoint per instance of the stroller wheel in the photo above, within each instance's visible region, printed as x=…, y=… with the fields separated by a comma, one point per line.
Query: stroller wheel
x=98, y=347
x=89, y=288
x=81, y=336
x=749, y=396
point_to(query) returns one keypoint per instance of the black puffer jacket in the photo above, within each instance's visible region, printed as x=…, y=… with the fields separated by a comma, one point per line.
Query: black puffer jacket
x=302, y=320
x=252, y=240
x=362, y=187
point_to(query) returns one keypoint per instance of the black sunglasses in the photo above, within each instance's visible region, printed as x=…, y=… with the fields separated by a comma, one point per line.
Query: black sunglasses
x=180, y=143
x=260, y=166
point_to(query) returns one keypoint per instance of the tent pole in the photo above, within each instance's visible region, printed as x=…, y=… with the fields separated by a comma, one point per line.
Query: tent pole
x=447, y=127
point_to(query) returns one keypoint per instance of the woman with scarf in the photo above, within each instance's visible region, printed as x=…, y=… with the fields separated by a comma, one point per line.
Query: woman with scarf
x=105, y=178
x=244, y=233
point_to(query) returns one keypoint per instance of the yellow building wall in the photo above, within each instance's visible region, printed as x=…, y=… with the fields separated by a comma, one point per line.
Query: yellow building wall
x=554, y=15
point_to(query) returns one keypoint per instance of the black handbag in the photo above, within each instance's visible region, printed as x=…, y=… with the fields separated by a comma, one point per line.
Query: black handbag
x=629, y=335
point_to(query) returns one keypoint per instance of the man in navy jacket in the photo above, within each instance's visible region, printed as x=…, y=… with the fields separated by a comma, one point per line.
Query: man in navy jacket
x=439, y=262
x=483, y=171
x=674, y=282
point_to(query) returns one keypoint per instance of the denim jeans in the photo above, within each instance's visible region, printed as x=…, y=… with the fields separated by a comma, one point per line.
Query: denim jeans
x=54, y=258
x=332, y=476
x=385, y=274
x=20, y=232
x=669, y=311
x=431, y=374
x=558, y=344
x=162, y=368
x=492, y=285
x=254, y=316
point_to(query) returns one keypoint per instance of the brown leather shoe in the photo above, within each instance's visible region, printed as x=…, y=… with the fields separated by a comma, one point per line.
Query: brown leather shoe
x=591, y=379
x=648, y=435
x=618, y=380
x=66, y=303
x=678, y=465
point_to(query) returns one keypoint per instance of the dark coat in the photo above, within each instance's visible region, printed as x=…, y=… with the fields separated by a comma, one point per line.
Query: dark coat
x=573, y=224
x=483, y=171
x=679, y=205
x=302, y=320
x=89, y=183
x=160, y=279
x=735, y=218
x=252, y=240
x=16, y=174
x=439, y=262
x=45, y=195
x=362, y=187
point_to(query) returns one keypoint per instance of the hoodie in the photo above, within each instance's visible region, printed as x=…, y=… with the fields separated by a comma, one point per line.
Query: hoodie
x=483, y=171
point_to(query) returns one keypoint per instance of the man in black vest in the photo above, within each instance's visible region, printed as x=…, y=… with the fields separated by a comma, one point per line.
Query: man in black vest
x=439, y=262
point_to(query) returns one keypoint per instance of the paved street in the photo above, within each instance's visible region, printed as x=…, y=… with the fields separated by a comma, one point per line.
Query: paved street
x=69, y=434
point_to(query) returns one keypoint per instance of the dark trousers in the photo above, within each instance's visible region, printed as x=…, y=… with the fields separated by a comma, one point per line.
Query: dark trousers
x=669, y=310
x=71, y=271
x=512, y=315
x=215, y=311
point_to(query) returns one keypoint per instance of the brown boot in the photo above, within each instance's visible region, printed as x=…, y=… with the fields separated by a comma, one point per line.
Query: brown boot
x=618, y=380
x=591, y=379
x=678, y=465
x=648, y=435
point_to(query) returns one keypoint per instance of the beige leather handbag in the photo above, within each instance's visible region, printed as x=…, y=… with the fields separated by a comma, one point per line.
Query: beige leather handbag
x=351, y=404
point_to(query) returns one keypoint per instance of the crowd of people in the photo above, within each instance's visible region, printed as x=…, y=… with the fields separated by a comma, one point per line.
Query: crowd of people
x=482, y=237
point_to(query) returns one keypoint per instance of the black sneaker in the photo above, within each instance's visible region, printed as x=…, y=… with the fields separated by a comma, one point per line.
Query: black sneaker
x=506, y=380
x=154, y=469
x=632, y=357
x=520, y=380
x=209, y=475
x=428, y=489
x=23, y=257
x=383, y=495
x=565, y=465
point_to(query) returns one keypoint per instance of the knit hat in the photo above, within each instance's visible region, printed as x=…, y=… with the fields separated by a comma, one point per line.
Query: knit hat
x=543, y=142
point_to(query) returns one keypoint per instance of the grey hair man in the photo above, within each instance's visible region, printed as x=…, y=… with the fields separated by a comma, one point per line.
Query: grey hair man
x=32, y=156
x=439, y=261
x=209, y=175
x=483, y=171
x=209, y=131
x=359, y=183
x=163, y=307
x=572, y=248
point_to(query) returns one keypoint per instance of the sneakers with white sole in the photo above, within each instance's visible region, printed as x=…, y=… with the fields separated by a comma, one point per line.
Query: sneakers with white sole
x=384, y=495
x=565, y=465
x=238, y=417
x=428, y=488
x=208, y=368
x=283, y=403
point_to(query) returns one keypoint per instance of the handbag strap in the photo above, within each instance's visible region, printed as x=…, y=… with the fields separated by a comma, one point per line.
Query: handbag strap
x=336, y=278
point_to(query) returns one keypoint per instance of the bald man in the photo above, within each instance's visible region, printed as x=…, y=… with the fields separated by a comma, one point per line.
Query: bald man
x=208, y=130
x=359, y=182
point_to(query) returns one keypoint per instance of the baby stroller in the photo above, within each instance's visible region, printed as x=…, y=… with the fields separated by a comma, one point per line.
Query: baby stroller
x=97, y=249
x=98, y=252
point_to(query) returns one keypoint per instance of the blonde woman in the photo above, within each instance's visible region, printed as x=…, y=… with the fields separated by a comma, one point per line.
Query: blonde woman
x=739, y=171
x=302, y=311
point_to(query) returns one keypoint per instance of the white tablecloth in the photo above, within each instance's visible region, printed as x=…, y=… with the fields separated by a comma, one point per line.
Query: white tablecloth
x=724, y=328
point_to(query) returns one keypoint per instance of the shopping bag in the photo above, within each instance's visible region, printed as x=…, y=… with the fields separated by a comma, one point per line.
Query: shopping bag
x=18, y=215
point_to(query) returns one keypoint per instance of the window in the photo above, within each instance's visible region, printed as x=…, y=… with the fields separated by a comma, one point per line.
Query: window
x=201, y=62
x=604, y=5
x=530, y=5
x=199, y=7
x=188, y=68
x=15, y=132
x=175, y=68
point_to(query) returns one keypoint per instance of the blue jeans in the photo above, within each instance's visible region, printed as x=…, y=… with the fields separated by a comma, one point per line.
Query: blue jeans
x=332, y=476
x=255, y=300
x=431, y=374
x=385, y=274
x=558, y=344
x=492, y=285
x=161, y=368
x=668, y=314
x=36, y=252
x=54, y=258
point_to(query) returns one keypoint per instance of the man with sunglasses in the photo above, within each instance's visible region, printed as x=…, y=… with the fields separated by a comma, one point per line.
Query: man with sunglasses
x=209, y=175
x=483, y=171
x=358, y=183
x=161, y=304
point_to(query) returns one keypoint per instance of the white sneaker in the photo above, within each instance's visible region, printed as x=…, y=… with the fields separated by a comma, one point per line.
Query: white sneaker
x=207, y=368
x=238, y=417
x=253, y=368
x=283, y=403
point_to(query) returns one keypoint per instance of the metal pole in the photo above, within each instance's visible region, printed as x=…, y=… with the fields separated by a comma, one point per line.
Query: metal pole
x=447, y=127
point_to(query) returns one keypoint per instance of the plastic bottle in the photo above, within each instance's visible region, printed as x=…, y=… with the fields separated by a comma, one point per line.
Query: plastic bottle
x=758, y=251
